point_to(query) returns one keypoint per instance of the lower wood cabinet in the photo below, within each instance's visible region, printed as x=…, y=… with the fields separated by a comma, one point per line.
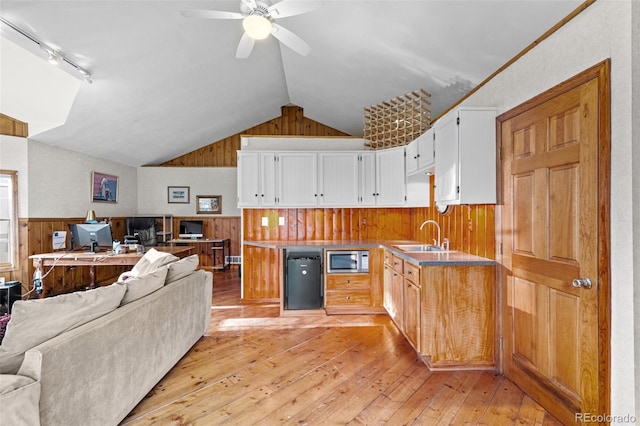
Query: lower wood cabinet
x=411, y=307
x=458, y=315
x=356, y=293
x=447, y=313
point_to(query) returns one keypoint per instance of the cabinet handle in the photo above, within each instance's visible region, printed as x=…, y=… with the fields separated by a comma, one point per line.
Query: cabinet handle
x=348, y=297
x=409, y=272
x=348, y=281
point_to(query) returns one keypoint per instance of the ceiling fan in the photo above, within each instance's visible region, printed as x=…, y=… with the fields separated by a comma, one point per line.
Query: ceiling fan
x=258, y=20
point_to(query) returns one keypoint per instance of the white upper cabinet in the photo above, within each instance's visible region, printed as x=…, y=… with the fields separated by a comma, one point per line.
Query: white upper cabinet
x=338, y=180
x=465, y=157
x=367, y=173
x=248, y=179
x=391, y=187
x=297, y=177
x=420, y=154
x=256, y=179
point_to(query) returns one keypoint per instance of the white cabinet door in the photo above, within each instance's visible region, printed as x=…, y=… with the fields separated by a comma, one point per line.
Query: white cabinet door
x=367, y=193
x=338, y=179
x=298, y=179
x=268, y=183
x=420, y=154
x=390, y=177
x=426, y=157
x=412, y=157
x=248, y=179
x=465, y=144
x=446, y=179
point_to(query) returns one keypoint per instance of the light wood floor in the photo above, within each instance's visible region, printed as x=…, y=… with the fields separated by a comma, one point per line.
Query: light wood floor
x=256, y=368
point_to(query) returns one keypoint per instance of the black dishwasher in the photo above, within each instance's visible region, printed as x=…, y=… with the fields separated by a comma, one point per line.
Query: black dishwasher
x=303, y=285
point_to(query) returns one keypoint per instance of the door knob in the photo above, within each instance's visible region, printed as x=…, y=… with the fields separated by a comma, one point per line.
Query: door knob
x=582, y=282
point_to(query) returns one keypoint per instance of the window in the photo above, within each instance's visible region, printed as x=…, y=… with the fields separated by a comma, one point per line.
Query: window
x=8, y=220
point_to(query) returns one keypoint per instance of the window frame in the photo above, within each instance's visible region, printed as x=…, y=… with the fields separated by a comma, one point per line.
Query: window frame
x=14, y=258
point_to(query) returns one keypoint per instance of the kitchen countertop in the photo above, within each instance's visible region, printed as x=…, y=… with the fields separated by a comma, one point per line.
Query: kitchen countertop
x=452, y=258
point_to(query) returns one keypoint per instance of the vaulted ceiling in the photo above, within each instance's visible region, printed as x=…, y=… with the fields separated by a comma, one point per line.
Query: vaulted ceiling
x=164, y=85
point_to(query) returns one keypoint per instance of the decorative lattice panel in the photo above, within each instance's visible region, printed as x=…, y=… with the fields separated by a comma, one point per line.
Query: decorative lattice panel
x=397, y=121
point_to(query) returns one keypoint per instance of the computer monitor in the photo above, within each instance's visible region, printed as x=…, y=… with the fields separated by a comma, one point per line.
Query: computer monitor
x=191, y=229
x=90, y=235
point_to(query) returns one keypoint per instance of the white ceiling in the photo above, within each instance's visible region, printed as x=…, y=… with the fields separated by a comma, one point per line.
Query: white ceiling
x=165, y=85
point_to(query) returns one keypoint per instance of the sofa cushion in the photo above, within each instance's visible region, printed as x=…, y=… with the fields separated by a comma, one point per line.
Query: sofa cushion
x=143, y=284
x=181, y=268
x=152, y=260
x=37, y=320
x=19, y=398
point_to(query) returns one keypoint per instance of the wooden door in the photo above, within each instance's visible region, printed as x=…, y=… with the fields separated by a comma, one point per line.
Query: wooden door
x=554, y=231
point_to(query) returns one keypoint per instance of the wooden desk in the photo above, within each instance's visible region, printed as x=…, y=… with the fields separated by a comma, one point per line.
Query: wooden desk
x=218, y=253
x=104, y=258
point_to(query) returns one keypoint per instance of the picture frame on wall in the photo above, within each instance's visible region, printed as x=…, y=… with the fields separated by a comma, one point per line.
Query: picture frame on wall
x=104, y=188
x=178, y=194
x=209, y=204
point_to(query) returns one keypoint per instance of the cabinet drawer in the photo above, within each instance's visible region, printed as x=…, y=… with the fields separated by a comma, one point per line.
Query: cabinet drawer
x=348, y=298
x=348, y=282
x=397, y=264
x=412, y=272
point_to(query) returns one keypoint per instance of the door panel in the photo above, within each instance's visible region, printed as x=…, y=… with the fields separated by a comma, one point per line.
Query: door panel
x=551, y=232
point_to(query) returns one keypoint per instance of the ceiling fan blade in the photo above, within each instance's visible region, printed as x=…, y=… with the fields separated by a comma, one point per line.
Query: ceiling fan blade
x=286, y=8
x=291, y=40
x=245, y=46
x=212, y=14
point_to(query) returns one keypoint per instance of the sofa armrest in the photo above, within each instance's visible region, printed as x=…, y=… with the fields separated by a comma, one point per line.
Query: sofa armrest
x=19, y=399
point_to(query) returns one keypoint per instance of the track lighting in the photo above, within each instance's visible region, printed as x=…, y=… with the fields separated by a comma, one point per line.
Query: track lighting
x=55, y=57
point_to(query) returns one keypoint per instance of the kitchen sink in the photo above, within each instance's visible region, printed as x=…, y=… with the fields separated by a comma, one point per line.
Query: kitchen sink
x=416, y=248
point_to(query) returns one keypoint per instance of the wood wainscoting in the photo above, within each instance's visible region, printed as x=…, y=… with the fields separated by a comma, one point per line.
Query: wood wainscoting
x=470, y=229
x=36, y=236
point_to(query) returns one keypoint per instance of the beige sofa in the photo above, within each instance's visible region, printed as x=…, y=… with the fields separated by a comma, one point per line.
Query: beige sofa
x=96, y=373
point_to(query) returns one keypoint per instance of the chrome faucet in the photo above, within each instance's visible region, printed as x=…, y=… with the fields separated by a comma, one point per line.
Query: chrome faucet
x=437, y=226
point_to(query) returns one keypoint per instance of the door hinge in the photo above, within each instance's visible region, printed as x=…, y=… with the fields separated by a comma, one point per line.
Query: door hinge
x=501, y=343
x=500, y=248
x=500, y=153
x=458, y=189
x=458, y=121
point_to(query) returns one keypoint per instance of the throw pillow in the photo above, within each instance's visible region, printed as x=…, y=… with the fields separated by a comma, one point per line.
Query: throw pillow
x=143, y=284
x=182, y=268
x=152, y=260
x=38, y=320
x=4, y=320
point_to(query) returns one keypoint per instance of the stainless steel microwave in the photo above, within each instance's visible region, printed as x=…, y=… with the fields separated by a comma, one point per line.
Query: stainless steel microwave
x=347, y=261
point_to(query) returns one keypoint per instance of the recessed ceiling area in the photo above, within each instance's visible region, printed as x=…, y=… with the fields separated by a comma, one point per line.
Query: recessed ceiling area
x=164, y=85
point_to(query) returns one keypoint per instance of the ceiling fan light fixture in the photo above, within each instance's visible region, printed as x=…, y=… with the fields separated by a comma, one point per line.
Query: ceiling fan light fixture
x=257, y=26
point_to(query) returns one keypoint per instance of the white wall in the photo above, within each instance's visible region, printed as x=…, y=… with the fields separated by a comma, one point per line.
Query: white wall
x=602, y=31
x=60, y=184
x=153, y=183
x=13, y=156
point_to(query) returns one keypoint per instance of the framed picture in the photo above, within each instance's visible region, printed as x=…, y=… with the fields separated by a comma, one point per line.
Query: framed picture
x=178, y=194
x=209, y=204
x=104, y=188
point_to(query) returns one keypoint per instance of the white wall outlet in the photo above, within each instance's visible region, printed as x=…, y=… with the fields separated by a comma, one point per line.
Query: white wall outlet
x=281, y=221
x=265, y=221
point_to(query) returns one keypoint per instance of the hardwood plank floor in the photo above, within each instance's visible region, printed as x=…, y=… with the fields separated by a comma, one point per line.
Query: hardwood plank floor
x=255, y=367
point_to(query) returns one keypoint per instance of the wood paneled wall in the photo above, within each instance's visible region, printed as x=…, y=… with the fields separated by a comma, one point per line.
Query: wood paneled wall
x=469, y=228
x=12, y=127
x=223, y=152
x=36, y=236
x=214, y=228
